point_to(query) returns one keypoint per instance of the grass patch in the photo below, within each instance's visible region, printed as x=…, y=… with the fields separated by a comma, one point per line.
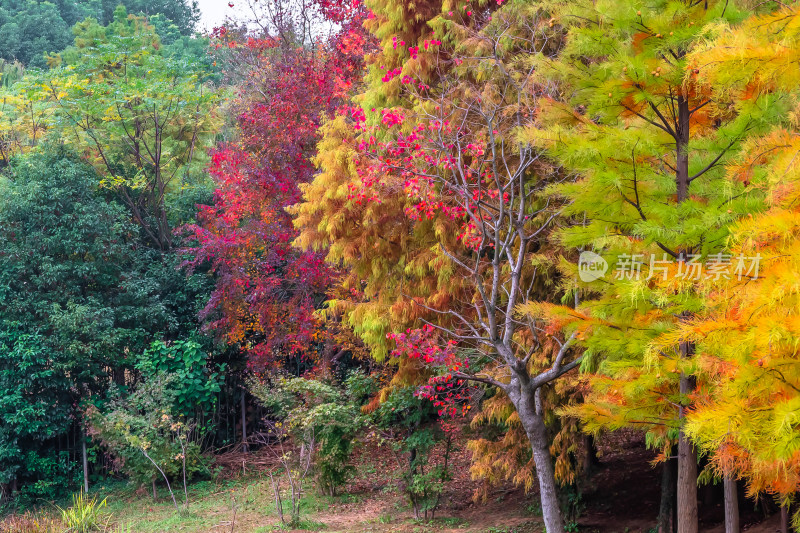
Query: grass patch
x=211, y=505
x=303, y=525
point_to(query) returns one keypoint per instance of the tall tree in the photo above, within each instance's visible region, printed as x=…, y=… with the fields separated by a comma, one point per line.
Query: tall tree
x=267, y=292
x=747, y=341
x=143, y=118
x=458, y=209
x=648, y=146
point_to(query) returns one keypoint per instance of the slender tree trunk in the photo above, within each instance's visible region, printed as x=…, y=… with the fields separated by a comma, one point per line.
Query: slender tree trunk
x=244, y=423
x=532, y=420
x=687, y=458
x=785, y=518
x=687, y=473
x=666, y=511
x=731, y=505
x=85, y=463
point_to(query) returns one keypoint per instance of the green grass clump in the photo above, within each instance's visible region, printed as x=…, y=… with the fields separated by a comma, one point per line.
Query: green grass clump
x=84, y=515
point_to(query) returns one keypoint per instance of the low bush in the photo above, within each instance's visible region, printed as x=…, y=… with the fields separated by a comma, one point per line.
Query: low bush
x=318, y=416
x=149, y=441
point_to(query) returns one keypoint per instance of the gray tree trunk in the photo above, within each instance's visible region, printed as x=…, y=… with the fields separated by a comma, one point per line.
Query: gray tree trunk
x=530, y=415
x=731, y=505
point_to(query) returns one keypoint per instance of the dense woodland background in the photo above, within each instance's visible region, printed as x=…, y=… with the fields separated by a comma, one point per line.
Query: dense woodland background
x=338, y=226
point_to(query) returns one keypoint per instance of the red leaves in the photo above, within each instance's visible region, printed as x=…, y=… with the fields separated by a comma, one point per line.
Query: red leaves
x=448, y=392
x=267, y=292
x=422, y=158
x=339, y=10
x=423, y=344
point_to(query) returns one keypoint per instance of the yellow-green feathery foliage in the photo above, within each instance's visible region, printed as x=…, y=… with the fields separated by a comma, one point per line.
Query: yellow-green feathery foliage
x=746, y=415
x=749, y=410
x=758, y=56
x=647, y=143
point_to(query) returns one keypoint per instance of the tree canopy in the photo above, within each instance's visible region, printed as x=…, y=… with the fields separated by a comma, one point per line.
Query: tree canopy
x=515, y=227
x=31, y=29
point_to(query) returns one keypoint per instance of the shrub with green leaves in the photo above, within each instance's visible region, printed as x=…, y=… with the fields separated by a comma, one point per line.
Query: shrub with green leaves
x=146, y=436
x=409, y=424
x=360, y=387
x=316, y=414
x=195, y=384
x=152, y=431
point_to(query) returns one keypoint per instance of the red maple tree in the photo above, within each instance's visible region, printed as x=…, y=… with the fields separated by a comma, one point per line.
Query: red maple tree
x=266, y=291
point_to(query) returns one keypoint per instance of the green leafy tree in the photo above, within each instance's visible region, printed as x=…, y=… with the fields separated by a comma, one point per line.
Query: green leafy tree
x=142, y=117
x=31, y=29
x=10, y=72
x=71, y=266
x=184, y=14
